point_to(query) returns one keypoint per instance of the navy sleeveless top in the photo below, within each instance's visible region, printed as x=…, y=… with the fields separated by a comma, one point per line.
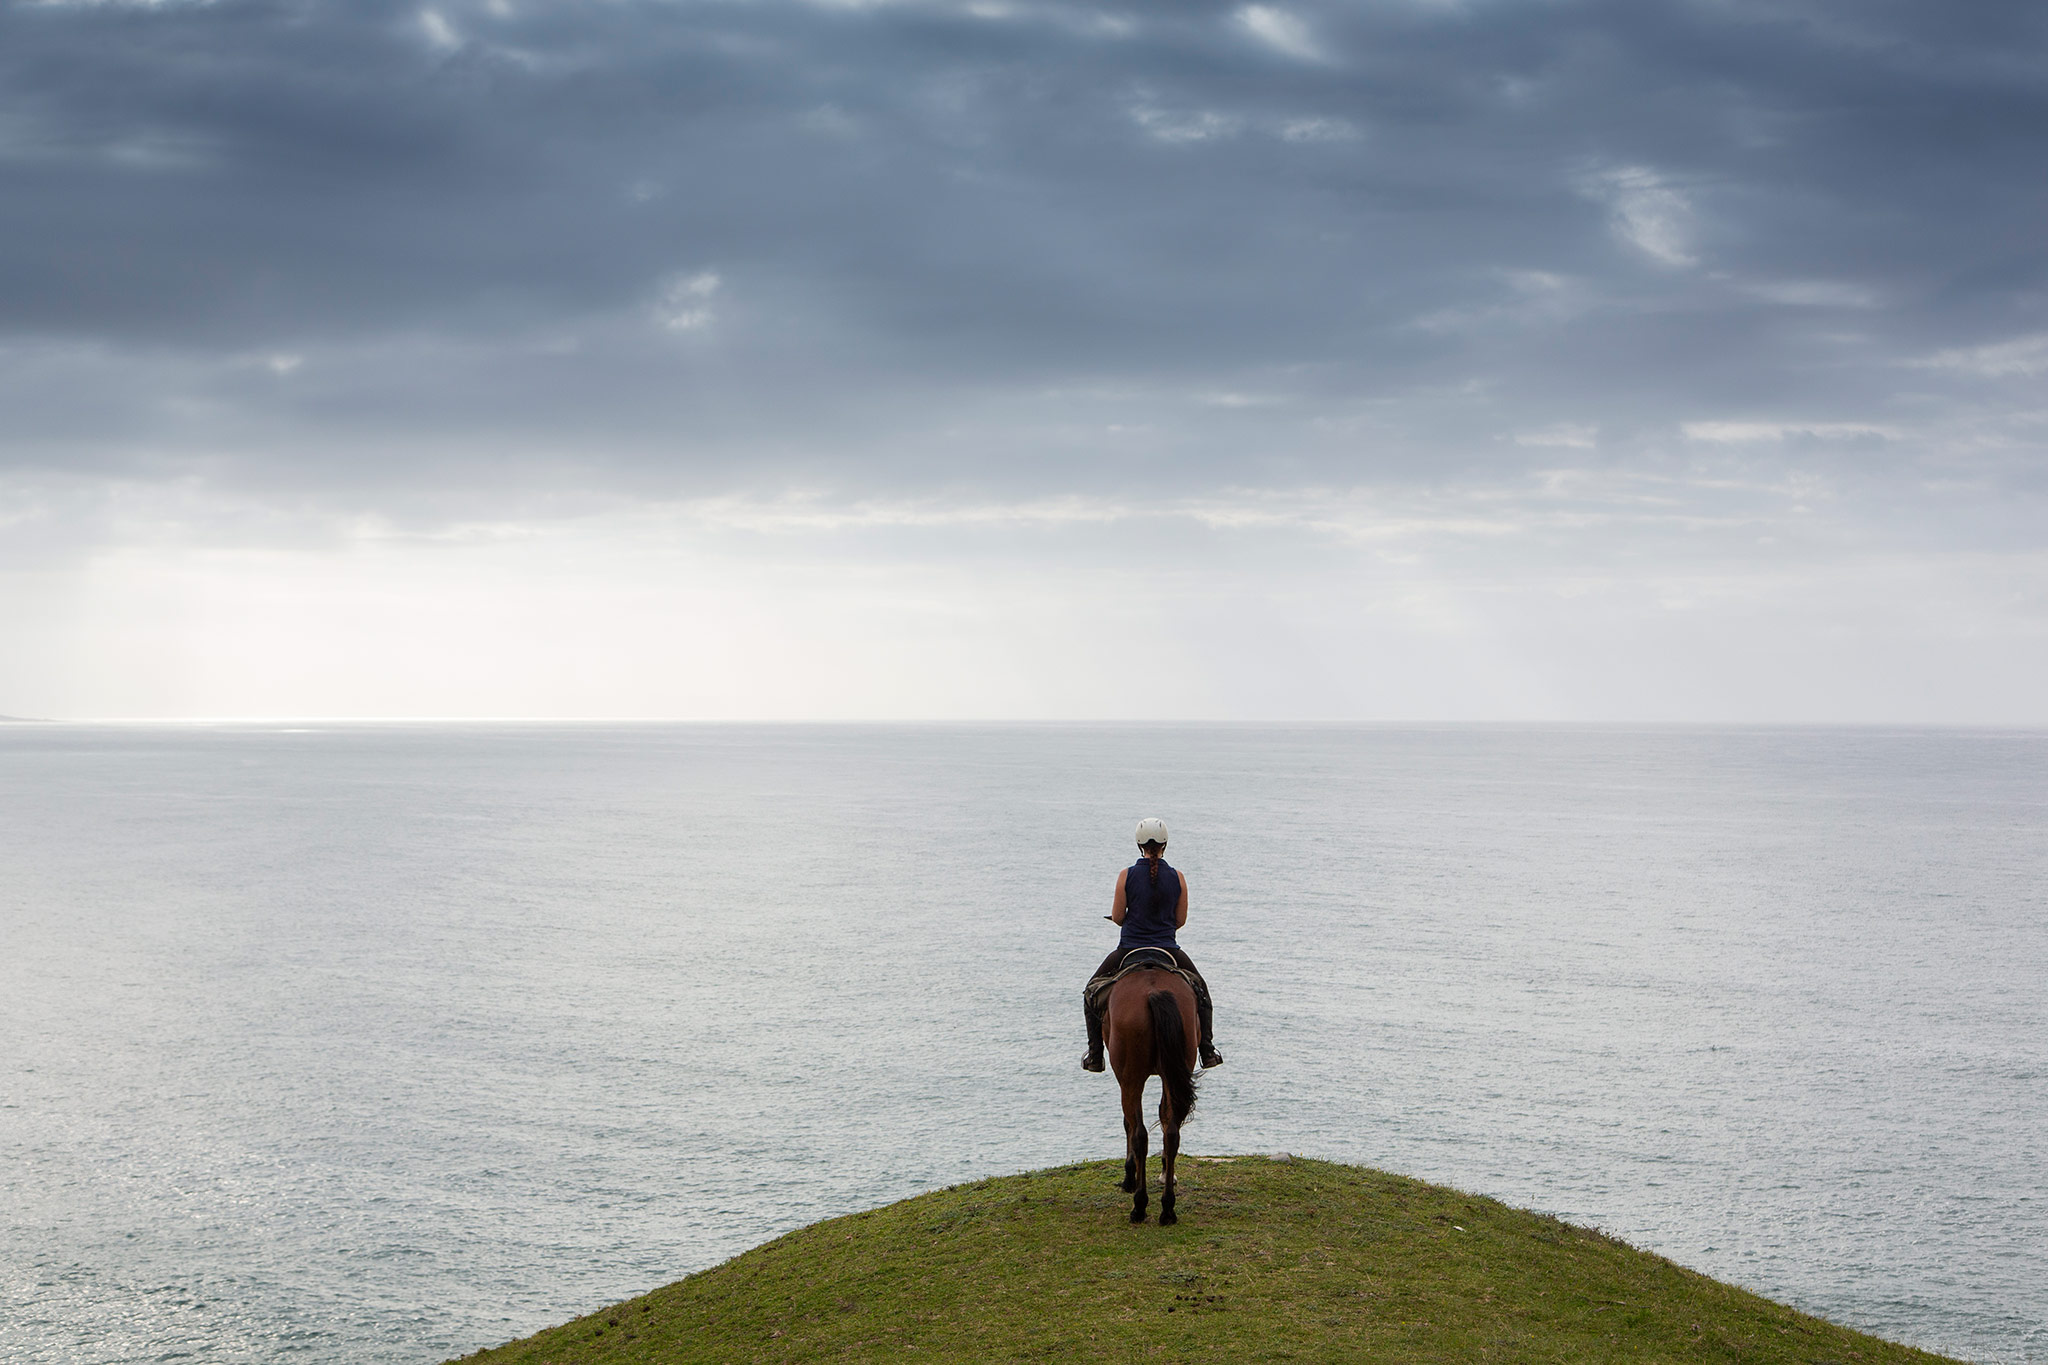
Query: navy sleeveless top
x=1150, y=907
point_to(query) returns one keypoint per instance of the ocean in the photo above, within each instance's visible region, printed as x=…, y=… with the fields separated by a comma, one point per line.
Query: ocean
x=381, y=1043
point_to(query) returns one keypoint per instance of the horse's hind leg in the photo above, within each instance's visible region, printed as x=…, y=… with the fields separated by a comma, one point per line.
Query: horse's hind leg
x=1134, y=1128
x=1135, y=1141
x=1169, y=1148
x=1140, y=1199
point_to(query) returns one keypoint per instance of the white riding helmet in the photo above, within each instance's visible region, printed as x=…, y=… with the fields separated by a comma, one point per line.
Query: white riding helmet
x=1152, y=830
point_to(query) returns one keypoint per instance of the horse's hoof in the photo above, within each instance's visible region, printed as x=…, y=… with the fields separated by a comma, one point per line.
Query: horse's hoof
x=1137, y=1215
x=1168, y=1218
x=1129, y=1187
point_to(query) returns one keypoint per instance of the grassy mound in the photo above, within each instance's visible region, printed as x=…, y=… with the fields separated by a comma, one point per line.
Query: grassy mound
x=1272, y=1260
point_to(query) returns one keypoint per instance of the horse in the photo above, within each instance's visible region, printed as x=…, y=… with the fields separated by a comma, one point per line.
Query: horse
x=1150, y=1030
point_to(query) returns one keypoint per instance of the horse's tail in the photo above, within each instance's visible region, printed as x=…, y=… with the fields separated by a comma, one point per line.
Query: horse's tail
x=1170, y=1053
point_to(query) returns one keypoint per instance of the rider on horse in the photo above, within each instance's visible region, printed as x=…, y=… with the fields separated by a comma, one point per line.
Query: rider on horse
x=1151, y=902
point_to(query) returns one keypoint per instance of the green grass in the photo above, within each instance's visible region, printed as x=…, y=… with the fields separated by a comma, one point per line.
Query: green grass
x=1272, y=1260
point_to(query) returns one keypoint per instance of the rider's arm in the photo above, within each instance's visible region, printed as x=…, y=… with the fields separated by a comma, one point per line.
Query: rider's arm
x=1180, y=916
x=1116, y=906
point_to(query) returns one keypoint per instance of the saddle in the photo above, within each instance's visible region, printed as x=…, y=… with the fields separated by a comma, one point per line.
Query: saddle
x=1148, y=960
x=1095, y=995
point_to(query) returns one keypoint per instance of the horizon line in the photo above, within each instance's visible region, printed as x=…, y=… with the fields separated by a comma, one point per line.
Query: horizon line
x=1148, y=722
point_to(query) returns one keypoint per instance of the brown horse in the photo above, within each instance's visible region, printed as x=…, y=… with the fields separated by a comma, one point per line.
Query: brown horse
x=1150, y=1030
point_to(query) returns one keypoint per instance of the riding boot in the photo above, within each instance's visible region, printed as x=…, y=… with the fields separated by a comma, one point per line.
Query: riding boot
x=1093, y=1061
x=1205, y=1015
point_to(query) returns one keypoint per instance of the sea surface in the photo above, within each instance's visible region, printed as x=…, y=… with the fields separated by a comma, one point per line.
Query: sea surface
x=374, y=1044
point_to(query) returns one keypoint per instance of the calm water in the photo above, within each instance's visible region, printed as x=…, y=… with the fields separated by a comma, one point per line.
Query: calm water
x=379, y=1044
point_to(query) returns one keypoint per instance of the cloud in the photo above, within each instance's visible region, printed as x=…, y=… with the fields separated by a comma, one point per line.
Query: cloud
x=1319, y=130
x=440, y=33
x=1564, y=435
x=1814, y=293
x=1281, y=31
x=1194, y=126
x=685, y=301
x=1648, y=214
x=2027, y=355
x=1726, y=432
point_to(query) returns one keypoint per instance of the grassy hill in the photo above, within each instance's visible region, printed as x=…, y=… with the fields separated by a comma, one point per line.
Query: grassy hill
x=1272, y=1260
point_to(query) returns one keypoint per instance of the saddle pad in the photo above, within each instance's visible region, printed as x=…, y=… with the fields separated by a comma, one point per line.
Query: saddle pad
x=1095, y=995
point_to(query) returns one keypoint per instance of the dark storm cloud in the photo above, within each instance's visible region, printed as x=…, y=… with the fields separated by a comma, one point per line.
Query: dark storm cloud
x=681, y=244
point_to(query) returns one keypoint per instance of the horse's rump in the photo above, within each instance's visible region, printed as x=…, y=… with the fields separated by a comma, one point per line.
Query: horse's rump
x=1150, y=1027
x=1170, y=1049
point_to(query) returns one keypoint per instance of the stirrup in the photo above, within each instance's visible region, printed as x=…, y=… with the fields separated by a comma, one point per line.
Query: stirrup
x=1210, y=1057
x=1091, y=1061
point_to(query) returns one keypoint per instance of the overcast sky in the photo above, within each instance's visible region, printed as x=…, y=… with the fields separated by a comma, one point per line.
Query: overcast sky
x=1412, y=359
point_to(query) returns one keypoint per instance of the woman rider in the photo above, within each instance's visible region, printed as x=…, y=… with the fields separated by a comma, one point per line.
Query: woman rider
x=1151, y=902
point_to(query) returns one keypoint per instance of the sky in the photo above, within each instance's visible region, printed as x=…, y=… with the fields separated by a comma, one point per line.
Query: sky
x=720, y=359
